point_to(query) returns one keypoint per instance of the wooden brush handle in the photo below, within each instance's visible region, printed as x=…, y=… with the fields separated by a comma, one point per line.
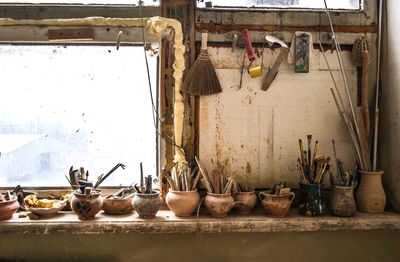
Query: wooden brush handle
x=204, y=39
x=364, y=94
x=249, y=47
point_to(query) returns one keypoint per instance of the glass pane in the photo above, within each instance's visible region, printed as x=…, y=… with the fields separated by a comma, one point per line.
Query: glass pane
x=102, y=2
x=74, y=105
x=332, y=4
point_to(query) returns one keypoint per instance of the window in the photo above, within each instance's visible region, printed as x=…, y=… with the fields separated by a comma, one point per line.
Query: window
x=299, y=4
x=80, y=105
x=103, y=2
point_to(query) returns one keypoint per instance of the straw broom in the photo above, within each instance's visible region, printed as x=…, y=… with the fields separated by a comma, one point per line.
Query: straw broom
x=202, y=79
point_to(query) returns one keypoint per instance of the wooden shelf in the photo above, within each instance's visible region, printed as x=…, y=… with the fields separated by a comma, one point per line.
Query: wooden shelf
x=166, y=222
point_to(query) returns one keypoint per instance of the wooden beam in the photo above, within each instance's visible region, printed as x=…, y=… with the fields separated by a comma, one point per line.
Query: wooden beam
x=221, y=29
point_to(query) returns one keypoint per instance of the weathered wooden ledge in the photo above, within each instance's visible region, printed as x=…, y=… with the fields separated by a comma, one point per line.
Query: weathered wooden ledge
x=166, y=222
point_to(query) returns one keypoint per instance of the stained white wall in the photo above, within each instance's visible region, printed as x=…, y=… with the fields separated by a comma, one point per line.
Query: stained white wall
x=254, y=134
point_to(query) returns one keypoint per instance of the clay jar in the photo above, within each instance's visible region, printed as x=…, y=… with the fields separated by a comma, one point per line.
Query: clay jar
x=246, y=202
x=219, y=205
x=342, y=202
x=182, y=203
x=370, y=195
x=117, y=206
x=276, y=205
x=8, y=208
x=86, y=206
x=147, y=205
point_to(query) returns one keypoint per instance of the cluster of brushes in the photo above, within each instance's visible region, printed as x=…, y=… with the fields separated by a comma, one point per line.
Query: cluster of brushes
x=186, y=180
x=219, y=183
x=79, y=178
x=312, y=169
x=342, y=178
x=146, y=183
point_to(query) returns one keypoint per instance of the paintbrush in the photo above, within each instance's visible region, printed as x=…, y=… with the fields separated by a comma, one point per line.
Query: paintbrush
x=309, y=161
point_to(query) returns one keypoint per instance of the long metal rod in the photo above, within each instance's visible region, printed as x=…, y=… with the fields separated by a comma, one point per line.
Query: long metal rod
x=343, y=115
x=339, y=56
x=378, y=69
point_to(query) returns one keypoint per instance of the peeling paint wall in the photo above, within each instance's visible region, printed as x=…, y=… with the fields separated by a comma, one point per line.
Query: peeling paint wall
x=254, y=133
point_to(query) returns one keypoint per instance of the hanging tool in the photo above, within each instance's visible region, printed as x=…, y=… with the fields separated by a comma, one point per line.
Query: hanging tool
x=255, y=71
x=202, y=79
x=273, y=71
x=302, y=52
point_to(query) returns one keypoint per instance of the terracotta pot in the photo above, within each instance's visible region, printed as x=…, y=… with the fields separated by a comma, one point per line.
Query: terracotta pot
x=147, y=205
x=312, y=202
x=370, y=195
x=276, y=205
x=8, y=208
x=247, y=201
x=117, y=206
x=342, y=202
x=182, y=203
x=86, y=206
x=219, y=205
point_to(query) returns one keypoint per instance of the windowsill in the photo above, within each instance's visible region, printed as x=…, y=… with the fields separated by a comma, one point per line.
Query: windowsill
x=166, y=222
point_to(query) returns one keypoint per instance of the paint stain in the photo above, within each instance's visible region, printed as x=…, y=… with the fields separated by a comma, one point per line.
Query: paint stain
x=248, y=168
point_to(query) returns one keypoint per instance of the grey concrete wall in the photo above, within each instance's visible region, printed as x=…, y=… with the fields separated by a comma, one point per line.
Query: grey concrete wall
x=390, y=127
x=318, y=246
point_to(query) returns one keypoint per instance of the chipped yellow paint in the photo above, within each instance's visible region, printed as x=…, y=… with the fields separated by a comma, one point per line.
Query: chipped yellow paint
x=153, y=25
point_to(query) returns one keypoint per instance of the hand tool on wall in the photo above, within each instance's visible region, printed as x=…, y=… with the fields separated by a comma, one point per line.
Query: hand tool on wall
x=255, y=71
x=361, y=58
x=273, y=71
x=202, y=78
x=302, y=53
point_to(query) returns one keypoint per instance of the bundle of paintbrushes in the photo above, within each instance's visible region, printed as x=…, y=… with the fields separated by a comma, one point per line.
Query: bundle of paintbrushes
x=217, y=183
x=342, y=178
x=186, y=180
x=311, y=166
x=146, y=183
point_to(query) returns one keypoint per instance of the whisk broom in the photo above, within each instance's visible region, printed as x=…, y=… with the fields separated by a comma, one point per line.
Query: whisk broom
x=202, y=79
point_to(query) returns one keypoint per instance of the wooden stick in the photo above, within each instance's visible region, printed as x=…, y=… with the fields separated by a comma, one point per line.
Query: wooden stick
x=196, y=180
x=172, y=183
x=363, y=138
x=205, y=175
x=207, y=186
x=318, y=178
x=187, y=180
x=302, y=171
x=364, y=94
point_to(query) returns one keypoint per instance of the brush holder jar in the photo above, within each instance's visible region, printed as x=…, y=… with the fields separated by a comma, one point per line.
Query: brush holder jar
x=342, y=202
x=276, y=205
x=370, y=195
x=147, y=205
x=182, y=203
x=247, y=201
x=86, y=206
x=219, y=205
x=311, y=201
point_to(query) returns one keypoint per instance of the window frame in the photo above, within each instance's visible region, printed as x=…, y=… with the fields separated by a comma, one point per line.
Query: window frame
x=281, y=9
x=37, y=35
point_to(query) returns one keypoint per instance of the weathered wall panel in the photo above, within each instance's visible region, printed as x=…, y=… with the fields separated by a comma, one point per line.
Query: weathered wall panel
x=255, y=133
